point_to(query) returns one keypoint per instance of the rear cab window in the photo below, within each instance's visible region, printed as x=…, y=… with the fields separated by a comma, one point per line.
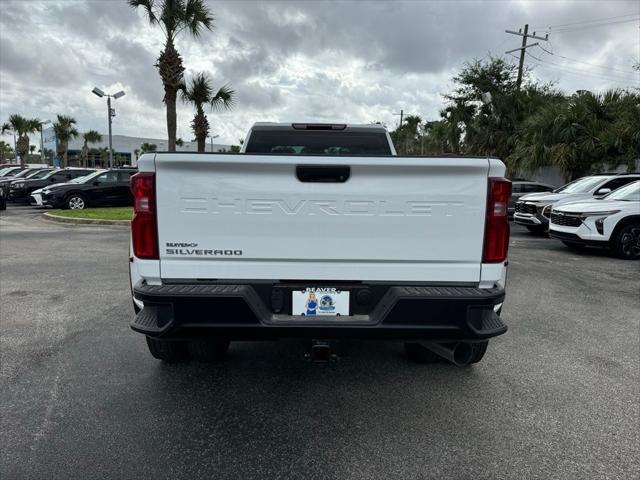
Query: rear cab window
x=292, y=141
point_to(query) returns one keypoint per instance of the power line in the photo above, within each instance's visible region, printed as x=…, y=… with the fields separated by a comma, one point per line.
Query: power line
x=582, y=72
x=576, y=73
x=594, y=20
x=586, y=63
x=594, y=25
x=543, y=63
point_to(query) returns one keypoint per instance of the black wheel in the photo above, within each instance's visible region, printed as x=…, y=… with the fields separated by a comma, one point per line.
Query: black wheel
x=537, y=229
x=574, y=246
x=167, y=350
x=626, y=243
x=75, y=201
x=3, y=204
x=209, y=350
x=420, y=354
x=478, y=351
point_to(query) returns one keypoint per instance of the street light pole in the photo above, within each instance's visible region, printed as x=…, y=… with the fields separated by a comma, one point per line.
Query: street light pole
x=110, y=113
x=110, y=145
x=212, y=137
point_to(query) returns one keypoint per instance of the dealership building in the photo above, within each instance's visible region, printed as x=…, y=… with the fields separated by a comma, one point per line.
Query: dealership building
x=125, y=149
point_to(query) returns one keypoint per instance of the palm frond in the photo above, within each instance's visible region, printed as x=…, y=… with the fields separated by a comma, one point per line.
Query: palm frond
x=147, y=5
x=225, y=98
x=198, y=90
x=197, y=17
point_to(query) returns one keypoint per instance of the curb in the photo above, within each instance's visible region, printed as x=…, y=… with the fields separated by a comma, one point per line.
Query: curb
x=84, y=221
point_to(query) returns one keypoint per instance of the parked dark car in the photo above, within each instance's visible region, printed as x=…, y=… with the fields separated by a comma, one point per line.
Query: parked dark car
x=20, y=190
x=520, y=187
x=10, y=171
x=24, y=174
x=105, y=188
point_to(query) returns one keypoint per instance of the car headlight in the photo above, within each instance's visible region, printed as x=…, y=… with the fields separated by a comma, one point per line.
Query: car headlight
x=17, y=185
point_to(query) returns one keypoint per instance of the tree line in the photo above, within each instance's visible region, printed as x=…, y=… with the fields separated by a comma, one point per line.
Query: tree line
x=64, y=128
x=531, y=127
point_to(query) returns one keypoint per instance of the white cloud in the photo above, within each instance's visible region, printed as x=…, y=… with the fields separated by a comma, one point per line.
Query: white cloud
x=293, y=61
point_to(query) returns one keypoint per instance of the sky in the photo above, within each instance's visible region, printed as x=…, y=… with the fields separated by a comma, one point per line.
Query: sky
x=298, y=61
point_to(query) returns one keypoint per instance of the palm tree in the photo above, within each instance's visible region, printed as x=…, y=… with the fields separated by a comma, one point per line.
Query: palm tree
x=200, y=92
x=89, y=137
x=148, y=147
x=65, y=130
x=580, y=134
x=6, y=151
x=174, y=16
x=22, y=127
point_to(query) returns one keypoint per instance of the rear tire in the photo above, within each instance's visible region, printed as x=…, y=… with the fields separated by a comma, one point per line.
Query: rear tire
x=167, y=350
x=208, y=351
x=420, y=354
x=75, y=201
x=626, y=243
x=479, y=349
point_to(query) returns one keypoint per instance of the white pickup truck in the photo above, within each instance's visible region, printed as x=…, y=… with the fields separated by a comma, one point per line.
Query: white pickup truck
x=319, y=232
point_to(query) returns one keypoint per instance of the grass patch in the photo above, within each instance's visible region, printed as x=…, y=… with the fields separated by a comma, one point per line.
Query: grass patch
x=112, y=213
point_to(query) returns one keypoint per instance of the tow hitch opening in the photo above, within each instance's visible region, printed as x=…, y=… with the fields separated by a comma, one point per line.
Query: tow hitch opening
x=322, y=351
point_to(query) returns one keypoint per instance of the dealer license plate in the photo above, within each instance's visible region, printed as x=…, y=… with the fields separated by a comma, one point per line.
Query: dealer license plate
x=316, y=302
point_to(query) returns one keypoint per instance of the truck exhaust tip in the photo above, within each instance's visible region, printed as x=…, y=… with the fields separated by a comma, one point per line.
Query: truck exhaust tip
x=460, y=354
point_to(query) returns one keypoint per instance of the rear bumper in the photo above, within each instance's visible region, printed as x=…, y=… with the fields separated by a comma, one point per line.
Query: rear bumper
x=254, y=312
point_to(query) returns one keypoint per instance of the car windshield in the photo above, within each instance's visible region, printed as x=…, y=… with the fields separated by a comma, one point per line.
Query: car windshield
x=79, y=179
x=39, y=174
x=89, y=177
x=628, y=193
x=49, y=174
x=6, y=170
x=23, y=173
x=582, y=185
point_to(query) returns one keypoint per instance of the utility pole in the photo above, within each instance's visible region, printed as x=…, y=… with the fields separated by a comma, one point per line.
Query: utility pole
x=401, y=117
x=524, y=46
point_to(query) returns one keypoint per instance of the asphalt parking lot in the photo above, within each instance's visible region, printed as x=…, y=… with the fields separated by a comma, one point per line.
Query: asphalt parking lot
x=80, y=397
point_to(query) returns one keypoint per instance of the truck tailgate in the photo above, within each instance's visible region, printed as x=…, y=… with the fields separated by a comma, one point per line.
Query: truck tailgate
x=249, y=217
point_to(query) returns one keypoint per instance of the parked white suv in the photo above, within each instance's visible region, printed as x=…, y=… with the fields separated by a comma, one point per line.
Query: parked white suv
x=613, y=221
x=533, y=210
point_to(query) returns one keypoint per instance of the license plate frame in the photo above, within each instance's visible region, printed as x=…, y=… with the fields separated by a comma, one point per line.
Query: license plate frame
x=325, y=302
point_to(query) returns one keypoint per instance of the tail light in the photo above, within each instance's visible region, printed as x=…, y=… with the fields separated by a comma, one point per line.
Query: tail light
x=144, y=226
x=496, y=229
